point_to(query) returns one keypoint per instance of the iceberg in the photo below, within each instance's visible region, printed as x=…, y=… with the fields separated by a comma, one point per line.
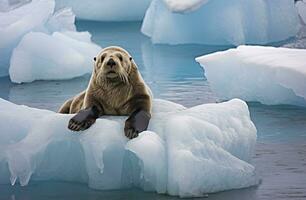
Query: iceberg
x=107, y=10
x=62, y=55
x=186, y=151
x=268, y=75
x=220, y=22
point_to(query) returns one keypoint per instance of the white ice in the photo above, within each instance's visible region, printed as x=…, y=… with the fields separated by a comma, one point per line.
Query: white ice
x=34, y=41
x=15, y=23
x=107, y=10
x=220, y=22
x=268, y=75
x=185, y=152
x=62, y=55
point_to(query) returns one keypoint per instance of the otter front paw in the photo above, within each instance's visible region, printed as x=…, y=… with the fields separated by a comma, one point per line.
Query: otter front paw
x=130, y=130
x=83, y=120
x=136, y=123
x=76, y=125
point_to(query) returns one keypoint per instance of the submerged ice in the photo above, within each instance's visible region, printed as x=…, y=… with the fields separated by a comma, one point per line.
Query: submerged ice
x=220, y=22
x=254, y=73
x=185, y=152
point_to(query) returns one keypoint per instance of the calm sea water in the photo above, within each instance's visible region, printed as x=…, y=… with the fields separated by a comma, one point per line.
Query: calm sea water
x=173, y=74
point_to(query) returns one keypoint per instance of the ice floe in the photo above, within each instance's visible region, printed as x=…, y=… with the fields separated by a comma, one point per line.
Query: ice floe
x=185, y=152
x=268, y=75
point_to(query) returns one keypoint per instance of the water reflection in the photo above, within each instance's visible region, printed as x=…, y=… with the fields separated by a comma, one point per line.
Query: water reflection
x=67, y=191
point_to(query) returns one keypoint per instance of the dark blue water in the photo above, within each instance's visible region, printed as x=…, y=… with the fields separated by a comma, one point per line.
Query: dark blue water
x=173, y=74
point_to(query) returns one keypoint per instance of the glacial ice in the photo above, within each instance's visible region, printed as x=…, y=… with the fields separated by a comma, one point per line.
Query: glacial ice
x=185, y=152
x=220, y=22
x=107, y=10
x=62, y=55
x=268, y=75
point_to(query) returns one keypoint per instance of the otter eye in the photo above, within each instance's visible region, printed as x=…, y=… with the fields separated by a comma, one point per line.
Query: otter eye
x=120, y=57
x=131, y=58
x=95, y=58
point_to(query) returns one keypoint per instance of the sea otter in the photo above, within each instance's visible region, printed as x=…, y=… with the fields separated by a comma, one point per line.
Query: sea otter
x=115, y=88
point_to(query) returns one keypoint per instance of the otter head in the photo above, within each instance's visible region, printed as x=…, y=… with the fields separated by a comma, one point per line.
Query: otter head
x=113, y=65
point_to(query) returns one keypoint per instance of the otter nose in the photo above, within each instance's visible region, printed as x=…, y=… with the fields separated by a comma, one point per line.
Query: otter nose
x=111, y=62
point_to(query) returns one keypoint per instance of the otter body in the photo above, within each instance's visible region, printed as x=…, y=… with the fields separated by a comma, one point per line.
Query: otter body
x=115, y=88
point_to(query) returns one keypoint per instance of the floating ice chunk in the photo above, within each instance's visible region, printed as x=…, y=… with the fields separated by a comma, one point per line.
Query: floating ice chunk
x=221, y=22
x=185, y=152
x=40, y=56
x=17, y=22
x=253, y=73
x=107, y=10
x=36, y=15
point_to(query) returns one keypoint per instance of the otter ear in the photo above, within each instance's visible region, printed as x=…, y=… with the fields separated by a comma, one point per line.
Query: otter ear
x=95, y=58
x=131, y=58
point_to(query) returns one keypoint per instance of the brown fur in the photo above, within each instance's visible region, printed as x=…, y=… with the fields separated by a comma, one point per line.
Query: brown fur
x=121, y=95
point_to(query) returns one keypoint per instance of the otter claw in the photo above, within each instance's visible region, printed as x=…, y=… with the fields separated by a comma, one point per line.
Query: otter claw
x=131, y=133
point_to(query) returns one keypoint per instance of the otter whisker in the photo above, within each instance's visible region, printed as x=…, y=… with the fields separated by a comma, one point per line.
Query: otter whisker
x=123, y=77
x=126, y=79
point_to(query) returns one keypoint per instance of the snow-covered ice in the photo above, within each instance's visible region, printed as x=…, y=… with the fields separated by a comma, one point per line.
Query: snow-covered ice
x=185, y=152
x=62, y=55
x=107, y=10
x=268, y=75
x=220, y=22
